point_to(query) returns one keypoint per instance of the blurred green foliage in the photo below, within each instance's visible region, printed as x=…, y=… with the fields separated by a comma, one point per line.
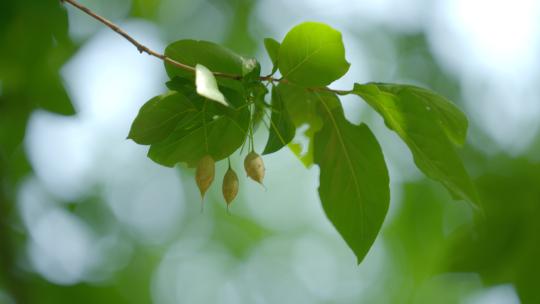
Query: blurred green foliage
x=503, y=247
x=35, y=44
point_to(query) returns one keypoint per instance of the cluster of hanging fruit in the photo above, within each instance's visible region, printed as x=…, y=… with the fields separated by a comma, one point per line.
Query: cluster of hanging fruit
x=204, y=175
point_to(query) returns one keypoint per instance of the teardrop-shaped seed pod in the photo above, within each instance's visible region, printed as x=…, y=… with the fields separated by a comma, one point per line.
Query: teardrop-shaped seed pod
x=205, y=173
x=230, y=186
x=254, y=166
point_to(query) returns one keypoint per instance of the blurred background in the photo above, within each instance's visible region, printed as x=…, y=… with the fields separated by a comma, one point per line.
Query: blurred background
x=86, y=217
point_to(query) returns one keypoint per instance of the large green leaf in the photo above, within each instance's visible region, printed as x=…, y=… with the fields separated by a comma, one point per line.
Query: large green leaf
x=159, y=116
x=312, y=54
x=281, y=126
x=354, y=183
x=213, y=129
x=423, y=124
x=449, y=117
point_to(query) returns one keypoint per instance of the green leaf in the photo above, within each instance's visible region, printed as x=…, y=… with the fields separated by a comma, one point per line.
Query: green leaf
x=182, y=85
x=217, y=59
x=213, y=56
x=312, y=54
x=424, y=126
x=158, y=117
x=251, y=69
x=207, y=85
x=213, y=130
x=251, y=77
x=302, y=107
x=272, y=48
x=281, y=126
x=449, y=117
x=301, y=104
x=304, y=153
x=354, y=184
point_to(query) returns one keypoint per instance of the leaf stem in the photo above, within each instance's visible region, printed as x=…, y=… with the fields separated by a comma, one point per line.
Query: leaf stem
x=141, y=47
x=251, y=128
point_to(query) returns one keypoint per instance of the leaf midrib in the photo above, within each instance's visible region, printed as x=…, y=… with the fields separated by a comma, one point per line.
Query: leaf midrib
x=169, y=119
x=349, y=162
x=296, y=67
x=198, y=129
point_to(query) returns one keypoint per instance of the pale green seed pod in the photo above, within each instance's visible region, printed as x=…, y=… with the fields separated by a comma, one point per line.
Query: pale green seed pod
x=230, y=186
x=254, y=166
x=205, y=172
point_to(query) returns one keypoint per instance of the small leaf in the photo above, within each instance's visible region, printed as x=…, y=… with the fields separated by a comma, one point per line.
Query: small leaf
x=312, y=54
x=354, y=184
x=281, y=127
x=207, y=85
x=272, y=48
x=251, y=74
x=423, y=124
x=158, y=117
x=250, y=67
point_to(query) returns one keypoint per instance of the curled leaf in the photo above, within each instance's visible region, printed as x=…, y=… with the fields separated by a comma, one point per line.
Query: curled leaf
x=207, y=85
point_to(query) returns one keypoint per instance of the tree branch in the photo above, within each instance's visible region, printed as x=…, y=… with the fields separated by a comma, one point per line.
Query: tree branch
x=141, y=47
x=144, y=49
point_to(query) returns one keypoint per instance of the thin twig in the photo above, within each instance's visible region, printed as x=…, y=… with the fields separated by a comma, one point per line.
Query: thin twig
x=144, y=49
x=141, y=47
